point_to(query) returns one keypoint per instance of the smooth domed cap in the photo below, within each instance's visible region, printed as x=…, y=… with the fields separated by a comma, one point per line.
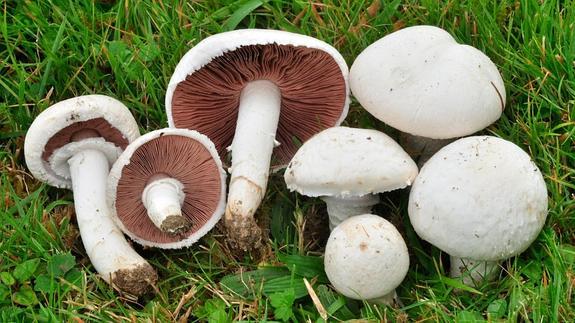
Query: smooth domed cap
x=181, y=154
x=366, y=257
x=54, y=129
x=480, y=198
x=204, y=91
x=421, y=81
x=347, y=162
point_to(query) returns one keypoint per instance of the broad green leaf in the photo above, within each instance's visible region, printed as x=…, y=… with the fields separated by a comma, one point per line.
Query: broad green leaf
x=214, y=310
x=25, y=296
x=25, y=270
x=43, y=283
x=4, y=292
x=306, y=266
x=246, y=282
x=7, y=279
x=282, y=303
x=59, y=264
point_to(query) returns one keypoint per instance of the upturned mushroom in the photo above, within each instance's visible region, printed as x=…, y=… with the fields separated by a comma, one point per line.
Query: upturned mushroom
x=481, y=200
x=366, y=258
x=347, y=168
x=250, y=91
x=168, y=188
x=72, y=145
x=421, y=81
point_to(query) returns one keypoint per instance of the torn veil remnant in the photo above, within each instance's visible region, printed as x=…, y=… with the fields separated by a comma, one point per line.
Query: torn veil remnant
x=168, y=188
x=72, y=145
x=256, y=92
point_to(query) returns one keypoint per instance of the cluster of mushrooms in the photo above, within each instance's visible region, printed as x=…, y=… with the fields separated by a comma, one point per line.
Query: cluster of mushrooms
x=260, y=94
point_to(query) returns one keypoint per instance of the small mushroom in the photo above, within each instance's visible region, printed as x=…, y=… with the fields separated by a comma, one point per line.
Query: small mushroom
x=421, y=81
x=251, y=91
x=168, y=188
x=72, y=145
x=366, y=258
x=347, y=168
x=481, y=200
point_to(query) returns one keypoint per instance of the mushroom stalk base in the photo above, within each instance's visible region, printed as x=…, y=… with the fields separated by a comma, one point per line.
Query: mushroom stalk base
x=111, y=255
x=163, y=199
x=341, y=208
x=472, y=272
x=252, y=148
x=389, y=299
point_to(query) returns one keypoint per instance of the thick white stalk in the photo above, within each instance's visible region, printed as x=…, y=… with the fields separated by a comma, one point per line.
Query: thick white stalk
x=252, y=148
x=108, y=250
x=390, y=299
x=472, y=272
x=341, y=208
x=421, y=148
x=163, y=199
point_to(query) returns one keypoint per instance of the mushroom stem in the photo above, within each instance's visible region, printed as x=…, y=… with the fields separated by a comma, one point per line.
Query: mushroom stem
x=163, y=199
x=252, y=148
x=341, y=208
x=472, y=272
x=389, y=299
x=422, y=148
x=112, y=256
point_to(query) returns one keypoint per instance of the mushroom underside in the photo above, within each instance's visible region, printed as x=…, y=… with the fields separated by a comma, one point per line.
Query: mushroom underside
x=312, y=87
x=176, y=157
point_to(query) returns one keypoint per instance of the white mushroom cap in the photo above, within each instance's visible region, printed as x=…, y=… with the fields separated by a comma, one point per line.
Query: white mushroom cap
x=366, y=257
x=421, y=81
x=67, y=113
x=217, y=44
x=346, y=162
x=480, y=198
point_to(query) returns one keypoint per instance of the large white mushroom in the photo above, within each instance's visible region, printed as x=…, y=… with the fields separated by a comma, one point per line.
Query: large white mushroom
x=366, y=258
x=481, y=200
x=251, y=91
x=72, y=145
x=421, y=81
x=347, y=168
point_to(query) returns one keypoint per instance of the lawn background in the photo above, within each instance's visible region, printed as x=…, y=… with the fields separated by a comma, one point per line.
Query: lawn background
x=51, y=50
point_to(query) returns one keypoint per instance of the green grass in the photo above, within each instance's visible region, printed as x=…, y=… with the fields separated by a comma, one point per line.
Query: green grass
x=51, y=50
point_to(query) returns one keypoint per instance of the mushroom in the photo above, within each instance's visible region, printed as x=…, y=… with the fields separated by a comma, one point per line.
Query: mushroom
x=421, y=81
x=366, y=258
x=250, y=91
x=347, y=167
x=481, y=200
x=72, y=145
x=168, y=188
